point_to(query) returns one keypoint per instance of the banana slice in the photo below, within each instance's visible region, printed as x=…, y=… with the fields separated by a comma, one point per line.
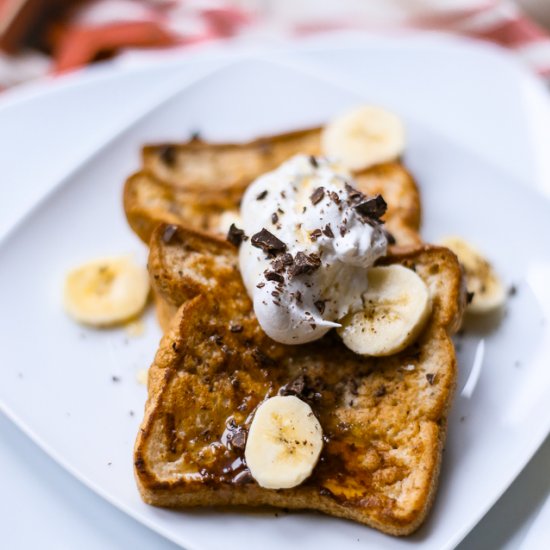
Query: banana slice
x=397, y=306
x=364, y=137
x=488, y=291
x=106, y=291
x=284, y=443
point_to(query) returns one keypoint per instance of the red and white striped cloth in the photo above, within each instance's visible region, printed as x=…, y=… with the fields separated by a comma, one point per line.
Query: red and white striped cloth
x=121, y=25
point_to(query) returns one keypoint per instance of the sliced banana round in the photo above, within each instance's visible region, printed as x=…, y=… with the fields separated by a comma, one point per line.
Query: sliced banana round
x=106, y=291
x=284, y=443
x=481, y=279
x=397, y=305
x=363, y=137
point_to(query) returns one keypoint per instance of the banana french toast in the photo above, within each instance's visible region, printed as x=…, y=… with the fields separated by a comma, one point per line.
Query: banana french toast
x=384, y=419
x=194, y=183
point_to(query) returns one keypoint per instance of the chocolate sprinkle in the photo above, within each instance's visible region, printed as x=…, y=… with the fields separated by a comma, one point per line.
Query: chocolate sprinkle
x=282, y=261
x=334, y=196
x=328, y=231
x=317, y=195
x=268, y=242
x=373, y=208
x=274, y=276
x=315, y=234
x=304, y=264
x=320, y=305
x=354, y=195
x=262, y=195
x=167, y=153
x=235, y=235
x=296, y=387
x=169, y=232
x=303, y=388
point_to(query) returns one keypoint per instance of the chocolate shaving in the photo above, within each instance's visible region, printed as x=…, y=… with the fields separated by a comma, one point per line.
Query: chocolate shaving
x=301, y=387
x=430, y=377
x=262, y=195
x=304, y=264
x=285, y=260
x=268, y=242
x=315, y=234
x=169, y=232
x=167, y=153
x=298, y=296
x=274, y=218
x=313, y=161
x=354, y=195
x=235, y=235
x=320, y=305
x=373, y=208
x=380, y=391
x=334, y=197
x=317, y=195
x=327, y=231
x=274, y=276
x=236, y=328
x=260, y=285
x=469, y=297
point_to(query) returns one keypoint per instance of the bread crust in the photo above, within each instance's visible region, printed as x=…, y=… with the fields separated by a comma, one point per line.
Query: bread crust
x=385, y=422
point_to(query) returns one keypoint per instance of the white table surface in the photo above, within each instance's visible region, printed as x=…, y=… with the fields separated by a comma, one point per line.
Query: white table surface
x=43, y=506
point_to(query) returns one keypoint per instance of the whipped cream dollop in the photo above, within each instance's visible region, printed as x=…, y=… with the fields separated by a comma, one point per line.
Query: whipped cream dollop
x=310, y=236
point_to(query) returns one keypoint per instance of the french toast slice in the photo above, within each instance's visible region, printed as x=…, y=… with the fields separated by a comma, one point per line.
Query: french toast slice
x=201, y=166
x=196, y=182
x=384, y=419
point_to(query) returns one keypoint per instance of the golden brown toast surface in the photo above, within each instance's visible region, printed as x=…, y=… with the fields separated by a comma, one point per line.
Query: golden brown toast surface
x=384, y=419
x=193, y=183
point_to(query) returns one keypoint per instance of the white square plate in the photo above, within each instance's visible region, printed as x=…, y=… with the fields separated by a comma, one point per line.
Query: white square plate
x=57, y=378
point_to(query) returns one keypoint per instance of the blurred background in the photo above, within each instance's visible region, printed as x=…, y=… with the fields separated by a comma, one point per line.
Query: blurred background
x=49, y=37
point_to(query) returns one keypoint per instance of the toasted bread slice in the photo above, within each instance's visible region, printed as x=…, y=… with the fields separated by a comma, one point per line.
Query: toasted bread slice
x=201, y=166
x=196, y=182
x=384, y=419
